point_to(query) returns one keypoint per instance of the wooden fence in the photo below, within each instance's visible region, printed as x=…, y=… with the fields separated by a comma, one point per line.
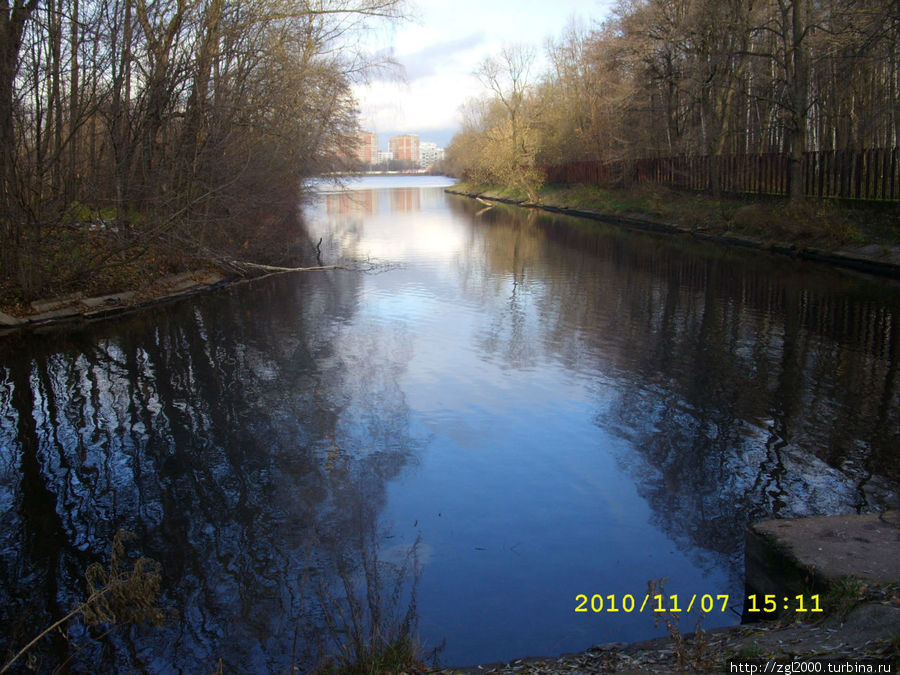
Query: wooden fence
x=872, y=175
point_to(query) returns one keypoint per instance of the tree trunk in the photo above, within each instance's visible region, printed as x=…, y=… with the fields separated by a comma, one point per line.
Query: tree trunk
x=74, y=94
x=798, y=83
x=12, y=24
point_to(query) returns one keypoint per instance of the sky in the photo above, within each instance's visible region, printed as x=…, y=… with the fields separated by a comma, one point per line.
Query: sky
x=440, y=48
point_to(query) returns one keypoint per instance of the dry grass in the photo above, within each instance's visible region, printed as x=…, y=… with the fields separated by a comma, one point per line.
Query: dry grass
x=126, y=592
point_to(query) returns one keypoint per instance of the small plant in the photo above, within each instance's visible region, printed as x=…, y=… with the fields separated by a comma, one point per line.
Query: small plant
x=369, y=616
x=750, y=652
x=694, y=656
x=843, y=595
x=120, y=594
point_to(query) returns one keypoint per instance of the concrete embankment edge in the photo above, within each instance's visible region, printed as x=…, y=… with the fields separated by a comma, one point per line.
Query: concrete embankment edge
x=860, y=262
x=74, y=309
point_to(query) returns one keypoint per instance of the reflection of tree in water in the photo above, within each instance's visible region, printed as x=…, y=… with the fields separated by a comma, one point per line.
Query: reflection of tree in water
x=500, y=263
x=747, y=386
x=234, y=435
x=743, y=410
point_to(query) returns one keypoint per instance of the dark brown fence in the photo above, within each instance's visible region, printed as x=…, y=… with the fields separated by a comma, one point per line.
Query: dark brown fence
x=872, y=175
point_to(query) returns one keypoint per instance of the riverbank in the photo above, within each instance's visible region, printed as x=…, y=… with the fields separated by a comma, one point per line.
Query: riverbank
x=77, y=308
x=862, y=239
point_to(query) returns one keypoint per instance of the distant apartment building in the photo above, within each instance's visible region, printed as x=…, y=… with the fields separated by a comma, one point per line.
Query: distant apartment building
x=429, y=153
x=385, y=157
x=367, y=148
x=405, y=148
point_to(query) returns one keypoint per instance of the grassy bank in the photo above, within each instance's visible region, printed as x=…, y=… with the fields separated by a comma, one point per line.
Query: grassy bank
x=824, y=225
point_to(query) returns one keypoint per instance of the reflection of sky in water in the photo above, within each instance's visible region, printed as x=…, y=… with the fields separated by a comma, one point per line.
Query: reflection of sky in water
x=553, y=409
x=518, y=495
x=523, y=498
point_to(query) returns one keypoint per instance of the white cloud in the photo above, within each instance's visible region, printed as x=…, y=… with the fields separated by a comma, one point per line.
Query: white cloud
x=442, y=49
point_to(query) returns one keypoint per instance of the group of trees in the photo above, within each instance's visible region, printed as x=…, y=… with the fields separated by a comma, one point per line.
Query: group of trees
x=183, y=120
x=697, y=77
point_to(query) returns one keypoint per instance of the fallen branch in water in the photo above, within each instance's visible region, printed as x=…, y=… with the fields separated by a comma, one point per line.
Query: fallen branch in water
x=356, y=266
x=274, y=268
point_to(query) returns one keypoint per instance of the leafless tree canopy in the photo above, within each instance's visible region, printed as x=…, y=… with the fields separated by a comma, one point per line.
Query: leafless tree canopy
x=707, y=77
x=185, y=121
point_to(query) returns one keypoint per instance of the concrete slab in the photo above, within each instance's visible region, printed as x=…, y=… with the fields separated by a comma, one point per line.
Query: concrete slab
x=41, y=306
x=183, y=286
x=177, y=283
x=866, y=547
x=875, y=252
x=211, y=278
x=108, y=311
x=74, y=306
x=8, y=321
x=56, y=314
x=786, y=558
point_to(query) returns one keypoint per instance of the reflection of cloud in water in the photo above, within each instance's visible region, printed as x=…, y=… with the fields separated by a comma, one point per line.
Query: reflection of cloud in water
x=425, y=237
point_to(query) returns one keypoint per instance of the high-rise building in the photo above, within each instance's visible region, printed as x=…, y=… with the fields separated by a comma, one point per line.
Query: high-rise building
x=367, y=148
x=405, y=148
x=429, y=153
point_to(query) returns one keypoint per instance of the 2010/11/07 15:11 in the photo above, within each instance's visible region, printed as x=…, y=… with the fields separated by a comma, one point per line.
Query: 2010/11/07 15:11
x=707, y=603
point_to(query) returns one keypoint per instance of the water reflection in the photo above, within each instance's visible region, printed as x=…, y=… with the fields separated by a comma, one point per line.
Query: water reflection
x=405, y=199
x=233, y=435
x=706, y=355
x=345, y=203
x=746, y=387
x=551, y=407
x=370, y=202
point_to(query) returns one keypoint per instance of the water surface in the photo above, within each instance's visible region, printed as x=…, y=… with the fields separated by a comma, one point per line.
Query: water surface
x=547, y=406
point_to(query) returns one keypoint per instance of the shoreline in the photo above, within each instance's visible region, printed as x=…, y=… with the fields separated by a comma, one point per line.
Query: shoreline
x=711, y=651
x=873, y=258
x=77, y=309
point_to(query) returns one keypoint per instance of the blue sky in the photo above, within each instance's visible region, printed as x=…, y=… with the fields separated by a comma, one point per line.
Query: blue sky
x=440, y=48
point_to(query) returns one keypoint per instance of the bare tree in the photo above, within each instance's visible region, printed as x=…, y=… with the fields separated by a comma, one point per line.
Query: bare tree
x=178, y=122
x=507, y=76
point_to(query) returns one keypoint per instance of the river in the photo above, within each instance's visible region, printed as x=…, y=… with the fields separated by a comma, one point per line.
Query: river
x=490, y=412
